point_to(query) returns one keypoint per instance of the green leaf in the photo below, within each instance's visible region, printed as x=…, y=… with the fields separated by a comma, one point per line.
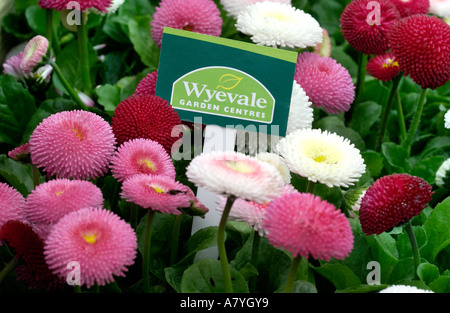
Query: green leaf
x=335, y=125
x=46, y=109
x=17, y=174
x=427, y=272
x=21, y=5
x=427, y=168
x=404, y=245
x=395, y=157
x=108, y=96
x=116, y=27
x=132, y=8
x=142, y=41
x=374, y=162
x=17, y=106
x=339, y=275
x=363, y=289
x=300, y=286
x=17, y=26
x=441, y=285
x=364, y=116
x=206, y=277
x=37, y=19
x=437, y=230
x=202, y=239
x=68, y=61
x=403, y=270
x=384, y=251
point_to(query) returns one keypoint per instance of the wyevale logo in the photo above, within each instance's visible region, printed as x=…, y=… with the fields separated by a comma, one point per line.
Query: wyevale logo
x=223, y=91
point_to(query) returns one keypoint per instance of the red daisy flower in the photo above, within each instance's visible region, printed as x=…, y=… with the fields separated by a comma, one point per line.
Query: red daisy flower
x=392, y=200
x=146, y=116
x=411, y=7
x=383, y=67
x=147, y=85
x=421, y=44
x=29, y=247
x=364, y=33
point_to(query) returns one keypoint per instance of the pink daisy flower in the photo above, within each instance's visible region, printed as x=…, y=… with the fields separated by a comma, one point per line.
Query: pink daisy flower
x=421, y=44
x=392, y=200
x=52, y=200
x=383, y=67
x=12, y=66
x=21, y=153
x=367, y=35
x=156, y=192
x=199, y=16
x=197, y=208
x=248, y=211
x=327, y=83
x=99, y=240
x=34, y=53
x=101, y=5
x=304, y=225
x=11, y=204
x=411, y=7
x=148, y=84
x=141, y=156
x=77, y=144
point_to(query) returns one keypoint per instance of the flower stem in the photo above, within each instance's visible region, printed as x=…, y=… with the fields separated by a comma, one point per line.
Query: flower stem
x=221, y=245
x=84, y=55
x=292, y=274
x=175, y=239
x=146, y=254
x=415, y=123
x=310, y=187
x=414, y=246
x=401, y=118
x=387, y=111
x=35, y=176
x=133, y=215
x=362, y=64
x=67, y=86
x=8, y=268
x=49, y=25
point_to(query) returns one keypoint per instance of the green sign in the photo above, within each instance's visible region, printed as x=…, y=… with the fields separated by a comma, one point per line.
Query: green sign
x=226, y=82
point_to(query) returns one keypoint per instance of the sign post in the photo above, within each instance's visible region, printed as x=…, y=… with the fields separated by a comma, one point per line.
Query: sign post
x=230, y=85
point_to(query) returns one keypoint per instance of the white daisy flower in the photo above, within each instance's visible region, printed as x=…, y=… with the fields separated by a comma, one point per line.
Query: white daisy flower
x=440, y=8
x=278, y=162
x=300, y=116
x=447, y=119
x=236, y=174
x=115, y=5
x=404, y=289
x=322, y=157
x=443, y=175
x=279, y=25
x=234, y=7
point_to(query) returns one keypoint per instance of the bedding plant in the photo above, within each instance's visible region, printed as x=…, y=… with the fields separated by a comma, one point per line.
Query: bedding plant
x=94, y=196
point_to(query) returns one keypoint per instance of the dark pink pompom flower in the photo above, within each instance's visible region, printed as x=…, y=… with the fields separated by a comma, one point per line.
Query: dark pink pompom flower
x=199, y=16
x=365, y=28
x=383, y=67
x=392, y=200
x=73, y=144
x=147, y=85
x=58, y=5
x=421, y=44
x=327, y=83
x=305, y=225
x=411, y=7
x=102, y=244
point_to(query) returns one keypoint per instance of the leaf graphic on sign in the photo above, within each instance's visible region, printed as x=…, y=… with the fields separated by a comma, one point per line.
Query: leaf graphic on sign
x=229, y=81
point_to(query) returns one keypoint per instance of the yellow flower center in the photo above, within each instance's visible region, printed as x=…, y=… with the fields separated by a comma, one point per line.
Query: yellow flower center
x=147, y=163
x=90, y=238
x=280, y=16
x=76, y=132
x=158, y=189
x=240, y=167
x=320, y=159
x=59, y=193
x=390, y=63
